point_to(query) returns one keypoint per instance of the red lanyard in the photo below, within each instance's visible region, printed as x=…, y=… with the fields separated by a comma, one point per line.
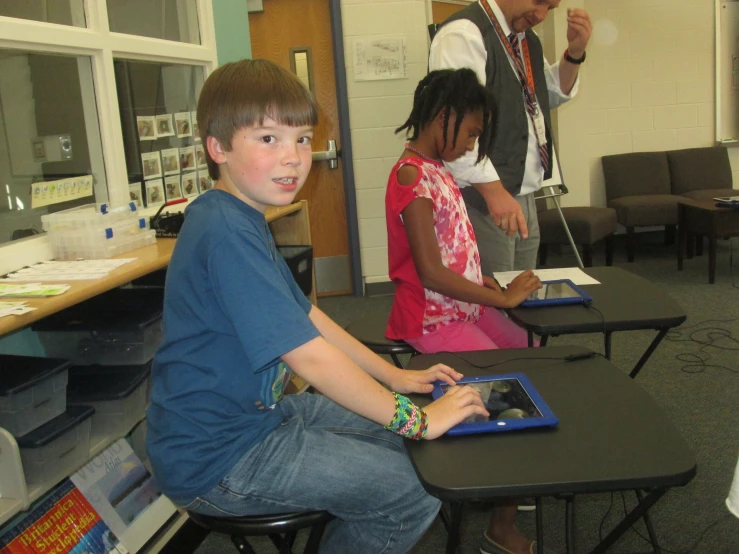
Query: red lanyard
x=528, y=86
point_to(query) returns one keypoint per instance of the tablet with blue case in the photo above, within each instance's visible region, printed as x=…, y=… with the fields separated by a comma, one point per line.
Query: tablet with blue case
x=553, y=293
x=512, y=401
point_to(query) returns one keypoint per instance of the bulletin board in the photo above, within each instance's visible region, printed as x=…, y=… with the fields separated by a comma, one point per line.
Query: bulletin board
x=727, y=71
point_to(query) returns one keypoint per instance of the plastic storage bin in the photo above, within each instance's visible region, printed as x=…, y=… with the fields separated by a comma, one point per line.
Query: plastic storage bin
x=118, y=394
x=32, y=392
x=119, y=327
x=58, y=447
x=300, y=261
x=95, y=232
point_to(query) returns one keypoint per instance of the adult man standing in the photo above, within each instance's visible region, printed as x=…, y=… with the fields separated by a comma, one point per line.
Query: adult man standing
x=494, y=38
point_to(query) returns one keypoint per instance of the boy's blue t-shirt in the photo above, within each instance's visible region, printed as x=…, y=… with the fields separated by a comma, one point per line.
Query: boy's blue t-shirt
x=231, y=309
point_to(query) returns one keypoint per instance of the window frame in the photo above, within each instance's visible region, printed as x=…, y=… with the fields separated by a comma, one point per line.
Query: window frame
x=102, y=46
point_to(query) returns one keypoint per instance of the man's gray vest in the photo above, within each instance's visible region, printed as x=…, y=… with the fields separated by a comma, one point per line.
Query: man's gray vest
x=510, y=142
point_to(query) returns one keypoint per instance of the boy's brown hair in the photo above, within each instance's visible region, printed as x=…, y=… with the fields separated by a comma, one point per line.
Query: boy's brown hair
x=241, y=94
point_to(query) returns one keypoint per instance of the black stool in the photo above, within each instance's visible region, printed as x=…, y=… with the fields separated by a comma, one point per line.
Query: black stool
x=280, y=528
x=370, y=331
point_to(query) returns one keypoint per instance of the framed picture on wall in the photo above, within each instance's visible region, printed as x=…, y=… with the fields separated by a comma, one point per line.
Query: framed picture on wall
x=172, y=187
x=164, y=125
x=190, y=184
x=195, y=128
x=187, y=158
x=155, y=192
x=200, y=157
x=171, y=161
x=134, y=193
x=204, y=182
x=147, y=130
x=151, y=164
x=183, y=124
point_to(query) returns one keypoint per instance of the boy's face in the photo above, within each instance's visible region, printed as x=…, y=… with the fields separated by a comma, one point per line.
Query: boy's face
x=267, y=164
x=470, y=129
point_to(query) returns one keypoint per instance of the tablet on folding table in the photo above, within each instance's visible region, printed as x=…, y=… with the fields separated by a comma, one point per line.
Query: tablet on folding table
x=552, y=293
x=512, y=401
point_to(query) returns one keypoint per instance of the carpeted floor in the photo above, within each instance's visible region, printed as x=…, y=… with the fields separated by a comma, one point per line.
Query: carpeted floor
x=693, y=375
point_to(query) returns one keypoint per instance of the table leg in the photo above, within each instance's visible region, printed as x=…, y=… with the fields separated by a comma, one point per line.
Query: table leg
x=452, y=523
x=543, y=340
x=648, y=352
x=570, y=524
x=607, y=340
x=649, y=525
x=539, y=525
x=681, y=239
x=531, y=339
x=632, y=517
x=689, y=246
x=712, y=258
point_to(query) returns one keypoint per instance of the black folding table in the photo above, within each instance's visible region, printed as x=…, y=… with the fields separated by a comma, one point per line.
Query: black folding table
x=621, y=302
x=612, y=436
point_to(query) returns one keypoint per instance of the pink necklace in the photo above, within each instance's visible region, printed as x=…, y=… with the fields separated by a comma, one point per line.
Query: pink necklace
x=421, y=154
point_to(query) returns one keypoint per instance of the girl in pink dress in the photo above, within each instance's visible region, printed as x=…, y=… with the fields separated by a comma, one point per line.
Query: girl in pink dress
x=443, y=302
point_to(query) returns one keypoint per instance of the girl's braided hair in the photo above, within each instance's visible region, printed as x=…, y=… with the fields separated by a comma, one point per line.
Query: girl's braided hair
x=447, y=90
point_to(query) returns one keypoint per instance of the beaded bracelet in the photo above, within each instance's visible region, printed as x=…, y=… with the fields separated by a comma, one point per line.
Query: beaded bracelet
x=409, y=420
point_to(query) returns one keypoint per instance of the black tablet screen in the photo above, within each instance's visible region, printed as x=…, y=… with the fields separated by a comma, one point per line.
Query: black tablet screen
x=554, y=290
x=504, y=399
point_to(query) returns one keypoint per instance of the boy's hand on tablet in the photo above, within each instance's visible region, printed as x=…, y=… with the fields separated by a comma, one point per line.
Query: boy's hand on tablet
x=524, y=284
x=456, y=405
x=407, y=381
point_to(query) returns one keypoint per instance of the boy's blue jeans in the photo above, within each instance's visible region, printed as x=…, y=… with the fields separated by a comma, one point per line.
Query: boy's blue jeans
x=324, y=457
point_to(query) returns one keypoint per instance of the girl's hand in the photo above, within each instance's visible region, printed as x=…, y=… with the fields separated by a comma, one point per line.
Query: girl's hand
x=491, y=283
x=520, y=288
x=457, y=404
x=407, y=380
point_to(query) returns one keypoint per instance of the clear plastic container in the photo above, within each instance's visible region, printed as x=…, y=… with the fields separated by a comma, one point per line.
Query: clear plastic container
x=95, y=232
x=58, y=447
x=32, y=392
x=118, y=394
x=120, y=327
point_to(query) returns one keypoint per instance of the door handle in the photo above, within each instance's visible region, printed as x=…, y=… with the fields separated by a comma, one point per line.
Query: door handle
x=331, y=155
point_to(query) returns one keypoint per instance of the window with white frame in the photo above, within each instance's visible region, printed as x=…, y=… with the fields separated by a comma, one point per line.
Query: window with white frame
x=97, y=102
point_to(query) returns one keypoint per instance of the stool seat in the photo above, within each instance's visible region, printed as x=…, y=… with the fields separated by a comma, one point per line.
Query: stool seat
x=253, y=526
x=275, y=526
x=370, y=331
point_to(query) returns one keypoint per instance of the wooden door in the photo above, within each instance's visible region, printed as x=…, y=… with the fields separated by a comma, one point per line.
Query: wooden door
x=440, y=11
x=286, y=28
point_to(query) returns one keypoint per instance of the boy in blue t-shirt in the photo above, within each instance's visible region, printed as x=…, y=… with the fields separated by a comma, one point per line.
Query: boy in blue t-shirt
x=222, y=439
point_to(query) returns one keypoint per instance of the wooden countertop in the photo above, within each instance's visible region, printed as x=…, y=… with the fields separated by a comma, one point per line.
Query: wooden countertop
x=148, y=259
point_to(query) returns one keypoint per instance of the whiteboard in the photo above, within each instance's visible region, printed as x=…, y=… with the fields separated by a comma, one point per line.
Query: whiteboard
x=727, y=70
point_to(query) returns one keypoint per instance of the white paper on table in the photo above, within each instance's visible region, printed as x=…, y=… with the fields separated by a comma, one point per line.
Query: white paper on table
x=574, y=274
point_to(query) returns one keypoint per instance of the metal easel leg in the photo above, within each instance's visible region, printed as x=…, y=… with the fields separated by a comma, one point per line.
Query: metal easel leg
x=567, y=231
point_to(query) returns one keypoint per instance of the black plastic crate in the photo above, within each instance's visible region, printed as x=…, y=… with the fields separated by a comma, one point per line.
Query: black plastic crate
x=300, y=261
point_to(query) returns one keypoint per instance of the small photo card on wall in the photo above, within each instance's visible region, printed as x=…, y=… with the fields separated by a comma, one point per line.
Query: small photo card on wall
x=195, y=128
x=146, y=127
x=187, y=158
x=164, y=125
x=379, y=58
x=200, y=156
x=190, y=184
x=151, y=164
x=172, y=187
x=154, y=192
x=171, y=161
x=134, y=193
x=183, y=124
x=204, y=182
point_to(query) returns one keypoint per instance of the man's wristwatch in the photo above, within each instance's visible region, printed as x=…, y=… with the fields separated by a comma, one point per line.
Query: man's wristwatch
x=576, y=61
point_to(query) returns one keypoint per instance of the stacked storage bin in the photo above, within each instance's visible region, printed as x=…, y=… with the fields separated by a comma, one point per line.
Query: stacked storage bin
x=53, y=438
x=111, y=340
x=96, y=231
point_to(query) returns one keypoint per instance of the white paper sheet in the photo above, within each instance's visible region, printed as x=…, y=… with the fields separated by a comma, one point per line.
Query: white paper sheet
x=574, y=274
